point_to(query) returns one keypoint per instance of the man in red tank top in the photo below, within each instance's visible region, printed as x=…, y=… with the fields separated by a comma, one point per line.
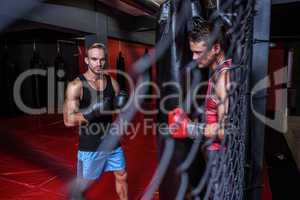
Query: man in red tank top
x=212, y=56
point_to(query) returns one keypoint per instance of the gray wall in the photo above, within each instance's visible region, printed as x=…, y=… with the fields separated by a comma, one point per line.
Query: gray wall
x=115, y=24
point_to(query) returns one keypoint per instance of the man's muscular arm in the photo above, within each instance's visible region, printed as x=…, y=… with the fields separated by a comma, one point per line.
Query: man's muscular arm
x=222, y=88
x=72, y=116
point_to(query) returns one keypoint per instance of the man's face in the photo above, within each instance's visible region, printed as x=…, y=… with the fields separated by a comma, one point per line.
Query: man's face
x=96, y=60
x=202, y=55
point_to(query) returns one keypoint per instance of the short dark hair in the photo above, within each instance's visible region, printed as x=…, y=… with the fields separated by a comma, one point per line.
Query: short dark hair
x=199, y=31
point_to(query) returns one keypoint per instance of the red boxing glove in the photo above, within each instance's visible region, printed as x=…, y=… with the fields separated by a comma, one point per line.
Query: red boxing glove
x=178, y=122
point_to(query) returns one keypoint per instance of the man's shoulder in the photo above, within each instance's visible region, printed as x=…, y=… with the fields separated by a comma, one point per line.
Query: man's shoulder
x=75, y=84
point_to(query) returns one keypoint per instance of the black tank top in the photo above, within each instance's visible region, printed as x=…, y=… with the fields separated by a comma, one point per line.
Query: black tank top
x=90, y=136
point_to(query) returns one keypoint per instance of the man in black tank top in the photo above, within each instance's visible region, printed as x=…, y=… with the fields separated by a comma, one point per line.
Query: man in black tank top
x=88, y=104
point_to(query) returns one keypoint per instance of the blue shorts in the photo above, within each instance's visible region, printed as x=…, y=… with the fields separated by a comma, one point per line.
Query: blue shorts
x=91, y=165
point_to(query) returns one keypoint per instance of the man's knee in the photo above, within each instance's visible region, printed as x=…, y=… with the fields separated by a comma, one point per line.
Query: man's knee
x=78, y=188
x=121, y=176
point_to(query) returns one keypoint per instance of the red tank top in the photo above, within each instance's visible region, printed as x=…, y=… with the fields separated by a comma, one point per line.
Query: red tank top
x=211, y=101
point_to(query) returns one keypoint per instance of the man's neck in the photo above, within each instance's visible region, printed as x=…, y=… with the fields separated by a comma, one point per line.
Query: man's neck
x=93, y=76
x=220, y=59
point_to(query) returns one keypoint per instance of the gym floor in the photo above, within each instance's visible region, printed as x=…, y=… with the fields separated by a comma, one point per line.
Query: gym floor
x=36, y=148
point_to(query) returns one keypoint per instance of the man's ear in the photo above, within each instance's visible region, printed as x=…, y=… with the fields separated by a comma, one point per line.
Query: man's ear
x=216, y=48
x=86, y=60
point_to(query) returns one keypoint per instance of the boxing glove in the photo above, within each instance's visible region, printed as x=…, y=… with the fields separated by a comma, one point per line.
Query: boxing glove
x=120, y=100
x=180, y=126
x=101, y=107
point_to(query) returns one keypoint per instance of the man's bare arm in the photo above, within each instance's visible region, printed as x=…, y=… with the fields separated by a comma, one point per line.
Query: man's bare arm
x=222, y=88
x=72, y=116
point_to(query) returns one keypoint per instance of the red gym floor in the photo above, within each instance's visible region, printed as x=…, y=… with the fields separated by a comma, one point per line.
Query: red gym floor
x=38, y=156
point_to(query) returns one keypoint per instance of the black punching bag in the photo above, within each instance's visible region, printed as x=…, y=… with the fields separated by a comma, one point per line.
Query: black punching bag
x=121, y=69
x=39, y=82
x=3, y=64
x=171, y=68
x=149, y=73
x=9, y=75
x=60, y=71
x=2, y=107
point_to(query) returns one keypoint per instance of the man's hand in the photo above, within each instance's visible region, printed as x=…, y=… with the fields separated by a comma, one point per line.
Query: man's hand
x=213, y=131
x=121, y=99
x=178, y=123
x=102, y=107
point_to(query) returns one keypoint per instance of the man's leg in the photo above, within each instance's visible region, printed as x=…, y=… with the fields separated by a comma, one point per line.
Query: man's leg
x=78, y=187
x=90, y=166
x=116, y=163
x=79, y=184
x=121, y=184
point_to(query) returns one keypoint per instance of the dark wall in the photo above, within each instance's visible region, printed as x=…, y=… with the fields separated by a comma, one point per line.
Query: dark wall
x=283, y=18
x=296, y=79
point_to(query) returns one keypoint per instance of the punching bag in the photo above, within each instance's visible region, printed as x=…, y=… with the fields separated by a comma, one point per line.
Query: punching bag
x=59, y=63
x=60, y=75
x=2, y=107
x=121, y=67
x=149, y=74
x=171, y=68
x=3, y=87
x=39, y=83
x=9, y=75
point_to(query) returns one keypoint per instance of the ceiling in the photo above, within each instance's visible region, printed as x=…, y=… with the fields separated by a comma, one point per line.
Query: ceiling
x=284, y=1
x=135, y=7
x=150, y=7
